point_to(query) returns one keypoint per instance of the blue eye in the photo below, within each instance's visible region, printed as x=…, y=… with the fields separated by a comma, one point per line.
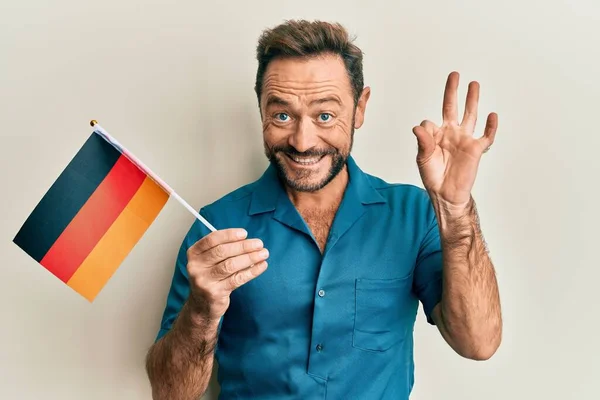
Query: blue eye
x=325, y=117
x=282, y=117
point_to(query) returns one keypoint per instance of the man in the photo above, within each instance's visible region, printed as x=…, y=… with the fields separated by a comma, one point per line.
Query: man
x=350, y=256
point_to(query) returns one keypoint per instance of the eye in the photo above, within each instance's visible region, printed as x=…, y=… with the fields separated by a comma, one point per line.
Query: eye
x=282, y=117
x=325, y=117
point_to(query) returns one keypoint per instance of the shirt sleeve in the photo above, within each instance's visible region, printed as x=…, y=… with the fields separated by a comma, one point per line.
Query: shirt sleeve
x=428, y=269
x=180, y=287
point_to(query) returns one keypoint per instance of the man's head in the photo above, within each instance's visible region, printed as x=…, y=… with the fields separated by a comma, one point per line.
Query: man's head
x=311, y=97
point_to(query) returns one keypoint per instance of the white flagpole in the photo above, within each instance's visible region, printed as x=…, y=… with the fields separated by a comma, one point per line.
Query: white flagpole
x=104, y=134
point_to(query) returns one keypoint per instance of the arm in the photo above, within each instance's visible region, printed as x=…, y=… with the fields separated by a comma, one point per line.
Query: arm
x=469, y=314
x=179, y=364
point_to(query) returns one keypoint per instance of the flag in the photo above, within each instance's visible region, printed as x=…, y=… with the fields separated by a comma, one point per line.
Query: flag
x=92, y=216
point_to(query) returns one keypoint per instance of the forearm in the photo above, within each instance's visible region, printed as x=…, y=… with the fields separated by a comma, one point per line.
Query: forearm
x=469, y=313
x=179, y=365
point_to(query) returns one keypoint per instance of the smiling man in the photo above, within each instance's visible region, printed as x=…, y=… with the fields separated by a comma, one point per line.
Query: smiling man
x=349, y=255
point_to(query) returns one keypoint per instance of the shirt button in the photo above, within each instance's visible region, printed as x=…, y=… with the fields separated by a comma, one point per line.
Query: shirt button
x=321, y=293
x=319, y=348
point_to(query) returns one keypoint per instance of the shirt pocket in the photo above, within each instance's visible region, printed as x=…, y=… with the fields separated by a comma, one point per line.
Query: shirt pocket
x=382, y=310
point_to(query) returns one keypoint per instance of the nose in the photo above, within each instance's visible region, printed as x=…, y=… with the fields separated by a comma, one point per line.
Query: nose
x=304, y=136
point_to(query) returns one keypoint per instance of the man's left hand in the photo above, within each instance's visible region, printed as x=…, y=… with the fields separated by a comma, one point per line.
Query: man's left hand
x=448, y=155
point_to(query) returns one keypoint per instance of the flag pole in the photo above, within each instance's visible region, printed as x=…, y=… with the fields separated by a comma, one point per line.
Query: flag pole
x=99, y=130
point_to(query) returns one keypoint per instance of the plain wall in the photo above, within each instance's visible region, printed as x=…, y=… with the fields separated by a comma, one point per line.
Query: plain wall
x=173, y=81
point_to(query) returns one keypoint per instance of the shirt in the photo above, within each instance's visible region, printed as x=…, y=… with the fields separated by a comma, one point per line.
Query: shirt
x=337, y=325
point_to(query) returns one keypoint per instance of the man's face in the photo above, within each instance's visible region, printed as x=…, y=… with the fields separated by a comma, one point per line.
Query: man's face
x=309, y=117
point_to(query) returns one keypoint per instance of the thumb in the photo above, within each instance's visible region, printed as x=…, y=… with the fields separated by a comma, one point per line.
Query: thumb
x=425, y=142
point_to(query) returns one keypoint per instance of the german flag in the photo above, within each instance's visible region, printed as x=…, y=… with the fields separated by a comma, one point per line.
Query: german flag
x=91, y=217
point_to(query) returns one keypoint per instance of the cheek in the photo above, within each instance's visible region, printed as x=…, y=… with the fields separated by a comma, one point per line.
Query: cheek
x=268, y=130
x=272, y=135
x=275, y=132
x=347, y=121
x=339, y=136
x=266, y=125
x=344, y=129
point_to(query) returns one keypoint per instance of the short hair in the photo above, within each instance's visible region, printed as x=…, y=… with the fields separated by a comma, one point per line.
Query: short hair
x=301, y=38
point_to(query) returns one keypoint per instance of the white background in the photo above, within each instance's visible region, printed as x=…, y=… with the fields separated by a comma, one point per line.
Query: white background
x=173, y=81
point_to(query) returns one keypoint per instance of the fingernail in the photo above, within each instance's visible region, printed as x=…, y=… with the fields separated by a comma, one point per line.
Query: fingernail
x=264, y=253
x=241, y=233
x=257, y=244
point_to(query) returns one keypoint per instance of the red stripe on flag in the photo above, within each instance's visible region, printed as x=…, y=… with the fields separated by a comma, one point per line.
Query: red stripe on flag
x=93, y=220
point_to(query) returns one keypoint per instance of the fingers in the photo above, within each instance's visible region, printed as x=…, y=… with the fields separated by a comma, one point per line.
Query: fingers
x=220, y=262
x=232, y=265
x=470, y=115
x=224, y=251
x=216, y=238
x=489, y=134
x=425, y=141
x=246, y=275
x=430, y=127
x=450, y=105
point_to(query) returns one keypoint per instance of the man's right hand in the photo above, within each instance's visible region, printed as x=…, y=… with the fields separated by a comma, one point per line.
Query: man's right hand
x=219, y=263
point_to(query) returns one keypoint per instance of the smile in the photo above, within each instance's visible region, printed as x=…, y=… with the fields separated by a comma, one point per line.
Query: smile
x=305, y=160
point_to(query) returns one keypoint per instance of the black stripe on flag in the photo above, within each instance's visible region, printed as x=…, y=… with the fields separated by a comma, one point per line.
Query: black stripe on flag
x=66, y=196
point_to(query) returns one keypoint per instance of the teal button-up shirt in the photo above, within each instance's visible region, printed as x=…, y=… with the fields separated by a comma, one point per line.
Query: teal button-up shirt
x=337, y=325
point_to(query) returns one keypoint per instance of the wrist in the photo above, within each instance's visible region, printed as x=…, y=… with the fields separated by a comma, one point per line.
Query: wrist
x=456, y=223
x=199, y=322
x=449, y=212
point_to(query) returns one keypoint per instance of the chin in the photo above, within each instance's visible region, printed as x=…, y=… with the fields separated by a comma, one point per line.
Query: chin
x=307, y=178
x=307, y=186
x=312, y=182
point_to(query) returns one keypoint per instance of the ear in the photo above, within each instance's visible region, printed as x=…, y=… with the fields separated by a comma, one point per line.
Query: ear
x=359, y=116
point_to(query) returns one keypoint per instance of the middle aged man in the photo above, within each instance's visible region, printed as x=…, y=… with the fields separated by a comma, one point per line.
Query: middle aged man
x=350, y=255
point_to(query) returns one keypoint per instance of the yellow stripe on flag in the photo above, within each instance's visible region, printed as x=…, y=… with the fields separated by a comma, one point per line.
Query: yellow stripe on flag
x=119, y=240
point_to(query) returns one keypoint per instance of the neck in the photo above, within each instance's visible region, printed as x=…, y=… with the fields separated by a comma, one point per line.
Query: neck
x=327, y=197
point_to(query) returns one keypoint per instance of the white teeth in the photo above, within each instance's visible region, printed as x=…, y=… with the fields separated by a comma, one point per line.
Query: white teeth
x=306, y=161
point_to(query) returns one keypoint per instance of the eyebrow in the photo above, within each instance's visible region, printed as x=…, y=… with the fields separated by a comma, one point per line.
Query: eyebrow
x=275, y=100
x=326, y=100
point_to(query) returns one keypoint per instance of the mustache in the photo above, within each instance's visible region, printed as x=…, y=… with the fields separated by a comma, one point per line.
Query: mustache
x=289, y=150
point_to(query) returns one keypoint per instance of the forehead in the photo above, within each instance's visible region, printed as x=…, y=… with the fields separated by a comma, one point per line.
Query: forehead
x=307, y=76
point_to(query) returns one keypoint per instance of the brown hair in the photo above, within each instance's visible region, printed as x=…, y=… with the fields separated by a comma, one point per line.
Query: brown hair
x=301, y=38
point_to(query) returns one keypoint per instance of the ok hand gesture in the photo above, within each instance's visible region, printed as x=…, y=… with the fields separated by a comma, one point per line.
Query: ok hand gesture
x=448, y=155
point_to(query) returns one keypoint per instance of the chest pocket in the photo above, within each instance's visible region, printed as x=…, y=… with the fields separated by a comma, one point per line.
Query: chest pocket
x=384, y=312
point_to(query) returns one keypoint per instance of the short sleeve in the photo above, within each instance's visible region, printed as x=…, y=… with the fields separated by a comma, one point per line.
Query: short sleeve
x=180, y=287
x=428, y=270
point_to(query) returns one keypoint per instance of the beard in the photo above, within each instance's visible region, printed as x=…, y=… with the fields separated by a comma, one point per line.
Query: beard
x=301, y=180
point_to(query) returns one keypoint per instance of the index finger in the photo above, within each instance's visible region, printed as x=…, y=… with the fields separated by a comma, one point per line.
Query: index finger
x=218, y=237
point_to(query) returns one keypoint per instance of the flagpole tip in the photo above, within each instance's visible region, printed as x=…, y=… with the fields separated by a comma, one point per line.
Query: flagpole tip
x=93, y=122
